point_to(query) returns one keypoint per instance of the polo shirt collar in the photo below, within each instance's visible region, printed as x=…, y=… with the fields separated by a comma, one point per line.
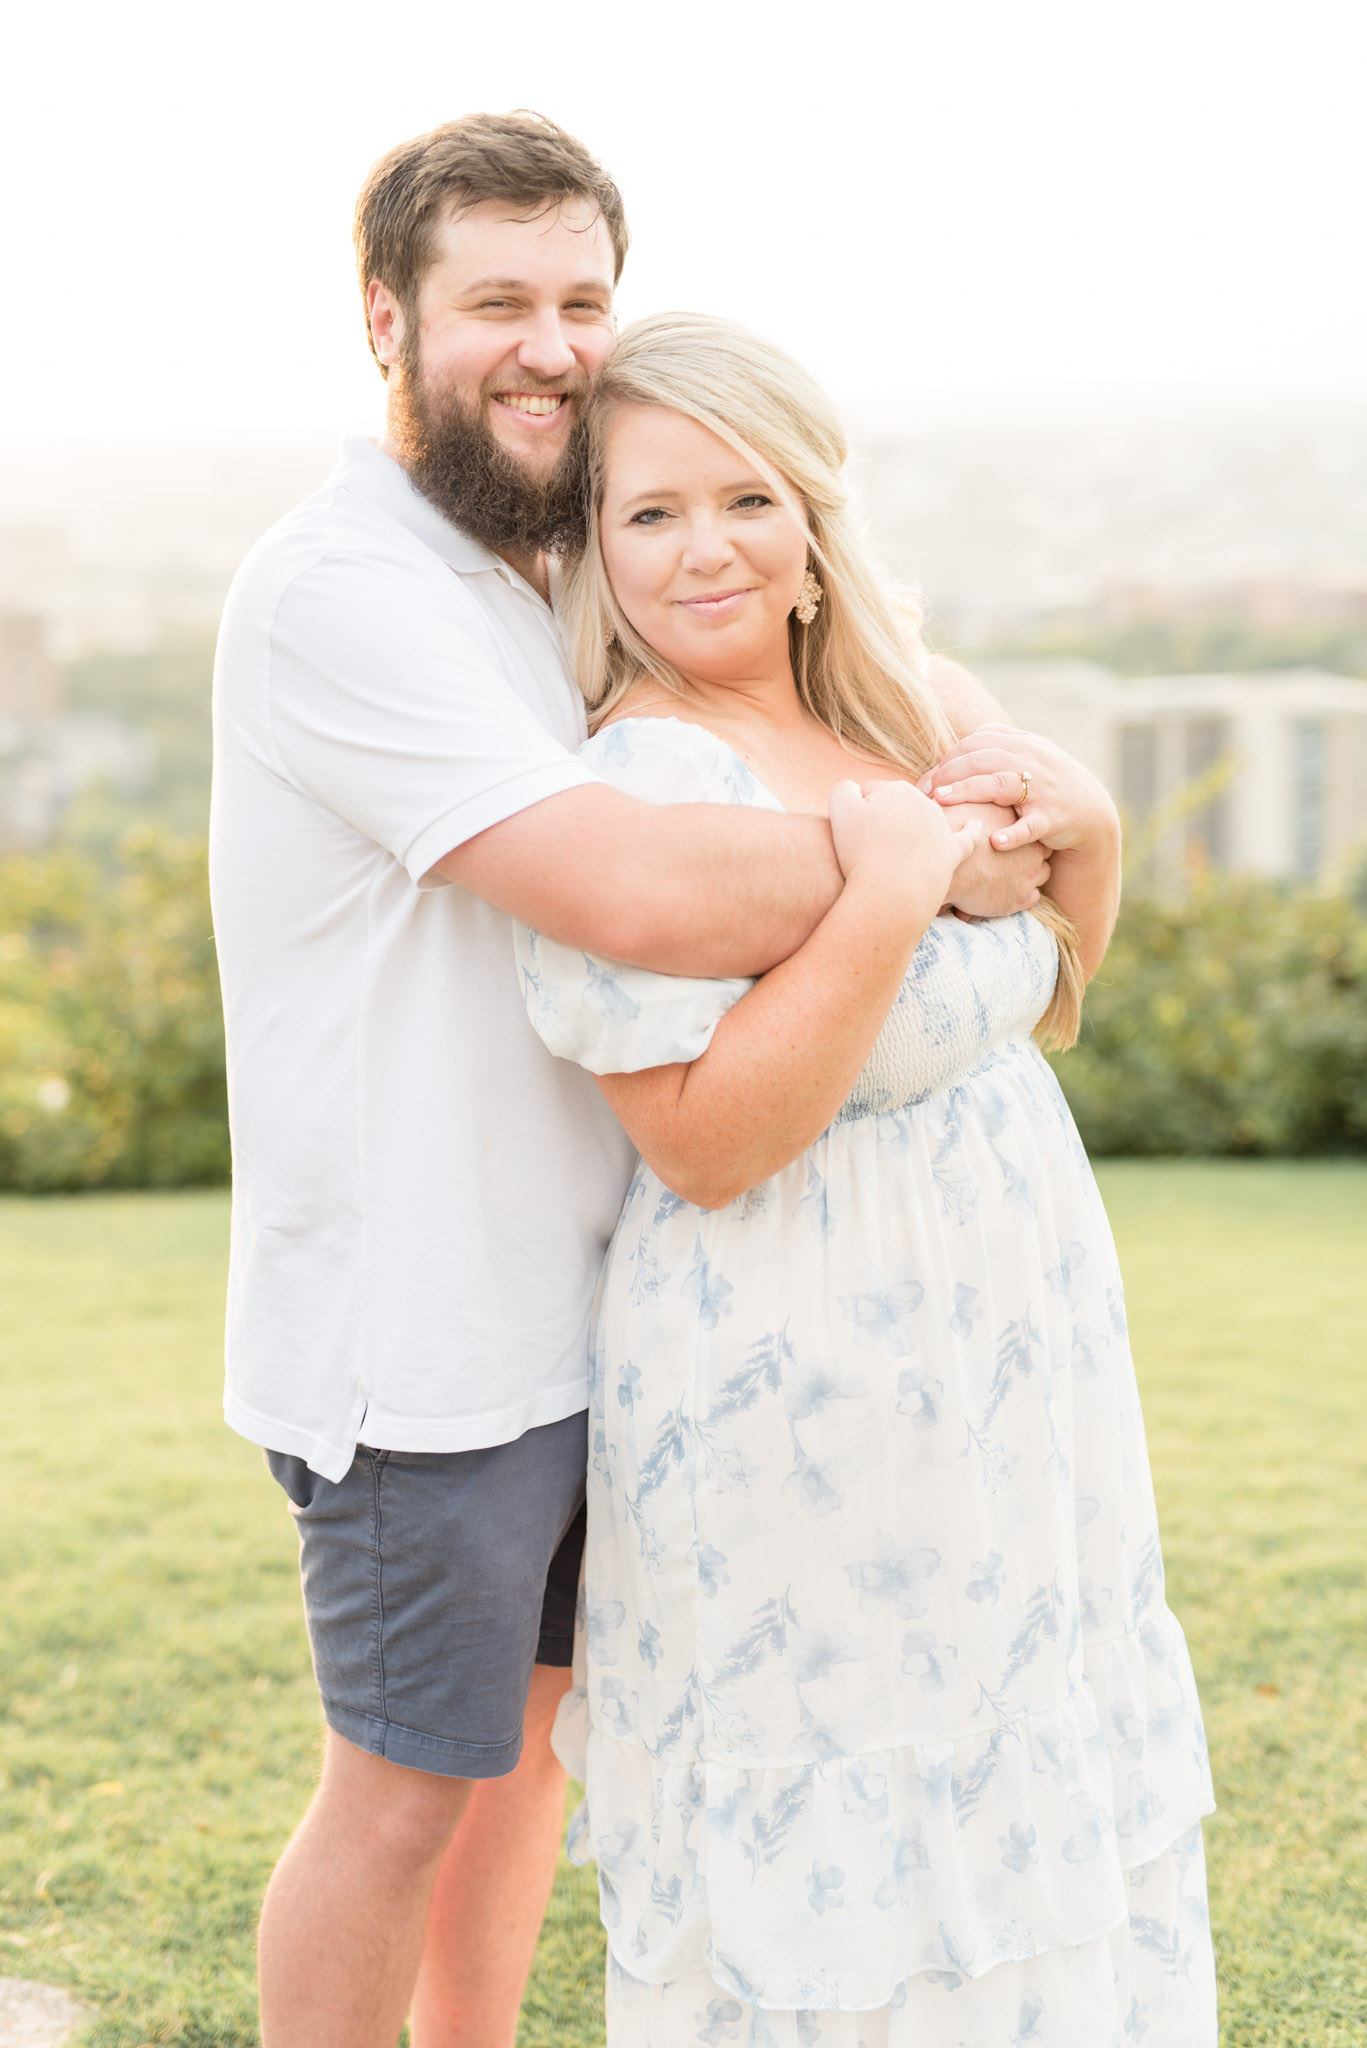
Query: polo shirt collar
x=374, y=476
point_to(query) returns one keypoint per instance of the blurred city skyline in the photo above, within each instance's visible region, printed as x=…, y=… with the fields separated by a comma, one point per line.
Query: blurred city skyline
x=960, y=213
x=1260, y=515
x=1082, y=279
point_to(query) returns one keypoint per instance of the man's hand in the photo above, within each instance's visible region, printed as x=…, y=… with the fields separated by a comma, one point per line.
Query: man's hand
x=1065, y=805
x=1067, y=813
x=992, y=883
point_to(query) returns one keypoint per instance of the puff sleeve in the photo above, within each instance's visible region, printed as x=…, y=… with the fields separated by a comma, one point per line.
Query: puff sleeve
x=611, y=1018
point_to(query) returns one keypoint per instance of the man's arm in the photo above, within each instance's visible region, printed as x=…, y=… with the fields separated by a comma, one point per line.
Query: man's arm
x=388, y=709
x=704, y=889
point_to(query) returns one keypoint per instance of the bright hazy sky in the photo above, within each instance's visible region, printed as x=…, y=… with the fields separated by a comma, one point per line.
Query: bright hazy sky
x=962, y=205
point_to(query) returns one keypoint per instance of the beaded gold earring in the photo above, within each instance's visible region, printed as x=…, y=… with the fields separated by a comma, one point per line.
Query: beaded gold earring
x=808, y=598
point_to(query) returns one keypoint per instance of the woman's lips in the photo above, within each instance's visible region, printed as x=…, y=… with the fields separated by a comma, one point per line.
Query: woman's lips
x=719, y=604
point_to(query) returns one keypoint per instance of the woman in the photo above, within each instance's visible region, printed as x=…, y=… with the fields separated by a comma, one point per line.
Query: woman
x=887, y=1733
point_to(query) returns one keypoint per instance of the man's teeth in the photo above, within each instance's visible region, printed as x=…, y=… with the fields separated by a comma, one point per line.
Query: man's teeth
x=523, y=401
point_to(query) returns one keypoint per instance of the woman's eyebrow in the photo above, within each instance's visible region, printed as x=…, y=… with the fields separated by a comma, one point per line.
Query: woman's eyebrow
x=730, y=490
x=649, y=497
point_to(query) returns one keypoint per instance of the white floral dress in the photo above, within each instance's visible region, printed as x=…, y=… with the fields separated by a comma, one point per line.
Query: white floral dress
x=889, y=1738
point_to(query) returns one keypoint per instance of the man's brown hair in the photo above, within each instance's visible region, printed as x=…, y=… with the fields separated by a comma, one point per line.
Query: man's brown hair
x=521, y=158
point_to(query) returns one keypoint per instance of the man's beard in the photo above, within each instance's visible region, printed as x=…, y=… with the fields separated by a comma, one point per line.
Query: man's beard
x=454, y=457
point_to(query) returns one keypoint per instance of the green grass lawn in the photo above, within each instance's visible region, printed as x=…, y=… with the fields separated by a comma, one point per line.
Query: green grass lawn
x=158, y=1729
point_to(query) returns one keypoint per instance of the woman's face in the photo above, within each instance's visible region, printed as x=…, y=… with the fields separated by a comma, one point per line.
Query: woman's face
x=704, y=560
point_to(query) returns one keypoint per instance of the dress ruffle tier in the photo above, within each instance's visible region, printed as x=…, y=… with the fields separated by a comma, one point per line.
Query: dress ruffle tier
x=1149, y=1981
x=952, y=1856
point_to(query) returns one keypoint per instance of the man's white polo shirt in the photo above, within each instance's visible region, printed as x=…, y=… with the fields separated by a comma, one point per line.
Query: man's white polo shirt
x=422, y=1194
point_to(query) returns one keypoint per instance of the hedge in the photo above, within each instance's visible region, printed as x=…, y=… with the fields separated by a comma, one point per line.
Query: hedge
x=1234, y=1022
x=111, y=1035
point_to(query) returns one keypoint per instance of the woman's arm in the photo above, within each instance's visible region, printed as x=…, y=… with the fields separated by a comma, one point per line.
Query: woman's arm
x=783, y=1060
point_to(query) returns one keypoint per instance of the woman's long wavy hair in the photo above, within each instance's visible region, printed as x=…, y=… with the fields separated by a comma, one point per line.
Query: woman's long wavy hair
x=861, y=665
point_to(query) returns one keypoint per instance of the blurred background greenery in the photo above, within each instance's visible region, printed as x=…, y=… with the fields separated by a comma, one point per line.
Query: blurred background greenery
x=1231, y=1020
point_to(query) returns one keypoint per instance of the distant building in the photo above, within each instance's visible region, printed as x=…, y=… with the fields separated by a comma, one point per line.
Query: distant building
x=30, y=684
x=1259, y=774
x=48, y=757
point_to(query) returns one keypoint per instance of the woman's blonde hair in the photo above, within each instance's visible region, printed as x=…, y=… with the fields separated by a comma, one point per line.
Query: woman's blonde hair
x=861, y=665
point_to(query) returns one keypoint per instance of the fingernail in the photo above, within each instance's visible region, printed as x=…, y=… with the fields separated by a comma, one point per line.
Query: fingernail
x=945, y=789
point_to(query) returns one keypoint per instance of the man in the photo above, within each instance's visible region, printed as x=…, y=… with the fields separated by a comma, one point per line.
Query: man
x=422, y=1195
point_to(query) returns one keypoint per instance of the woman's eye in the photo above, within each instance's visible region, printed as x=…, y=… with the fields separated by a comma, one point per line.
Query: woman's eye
x=752, y=501
x=651, y=516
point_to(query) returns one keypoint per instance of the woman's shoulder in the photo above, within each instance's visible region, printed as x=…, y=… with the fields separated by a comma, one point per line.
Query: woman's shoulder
x=670, y=760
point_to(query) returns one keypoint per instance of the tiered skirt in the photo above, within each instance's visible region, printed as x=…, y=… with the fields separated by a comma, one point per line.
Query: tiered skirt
x=889, y=1737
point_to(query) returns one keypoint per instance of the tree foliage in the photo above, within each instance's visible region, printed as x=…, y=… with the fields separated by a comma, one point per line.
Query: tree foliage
x=111, y=1035
x=163, y=693
x=1211, y=643
x=1233, y=1022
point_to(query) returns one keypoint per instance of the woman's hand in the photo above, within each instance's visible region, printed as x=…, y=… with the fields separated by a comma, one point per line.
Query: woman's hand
x=892, y=839
x=1056, y=800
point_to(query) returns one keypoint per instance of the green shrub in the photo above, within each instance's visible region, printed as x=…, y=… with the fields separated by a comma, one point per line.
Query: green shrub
x=111, y=1035
x=1233, y=1022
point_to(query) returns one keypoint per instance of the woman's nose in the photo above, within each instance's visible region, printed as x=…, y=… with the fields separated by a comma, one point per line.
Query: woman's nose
x=707, y=547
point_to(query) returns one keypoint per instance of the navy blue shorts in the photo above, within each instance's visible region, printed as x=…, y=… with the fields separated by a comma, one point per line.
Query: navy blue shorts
x=433, y=1581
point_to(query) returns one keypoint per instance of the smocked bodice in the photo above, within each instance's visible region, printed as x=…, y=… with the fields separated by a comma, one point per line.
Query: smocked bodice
x=969, y=989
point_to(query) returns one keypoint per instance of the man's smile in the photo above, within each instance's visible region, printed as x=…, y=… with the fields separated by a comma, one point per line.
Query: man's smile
x=540, y=405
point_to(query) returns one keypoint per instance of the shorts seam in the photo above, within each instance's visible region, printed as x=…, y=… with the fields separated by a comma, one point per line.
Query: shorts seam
x=377, y=1734
x=378, y=1526
x=420, y=1734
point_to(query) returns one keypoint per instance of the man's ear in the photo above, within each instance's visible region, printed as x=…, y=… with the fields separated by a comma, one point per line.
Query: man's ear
x=386, y=324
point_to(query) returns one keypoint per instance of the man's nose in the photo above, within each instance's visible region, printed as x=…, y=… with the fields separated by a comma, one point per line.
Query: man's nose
x=544, y=348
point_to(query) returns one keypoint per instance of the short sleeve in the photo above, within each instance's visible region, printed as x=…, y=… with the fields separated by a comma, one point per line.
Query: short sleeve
x=389, y=705
x=611, y=1018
